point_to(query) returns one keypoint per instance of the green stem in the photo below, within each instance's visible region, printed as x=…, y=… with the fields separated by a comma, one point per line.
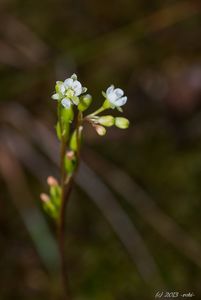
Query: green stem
x=61, y=221
x=65, y=194
x=96, y=112
x=78, y=134
x=61, y=226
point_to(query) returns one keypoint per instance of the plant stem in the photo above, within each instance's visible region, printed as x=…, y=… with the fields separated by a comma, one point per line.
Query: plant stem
x=97, y=112
x=65, y=193
x=61, y=224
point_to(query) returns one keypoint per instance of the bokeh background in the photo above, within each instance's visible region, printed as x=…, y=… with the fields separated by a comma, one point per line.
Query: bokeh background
x=133, y=223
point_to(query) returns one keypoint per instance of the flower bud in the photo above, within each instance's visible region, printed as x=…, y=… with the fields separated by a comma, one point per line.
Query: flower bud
x=122, y=123
x=100, y=129
x=51, y=181
x=70, y=154
x=85, y=102
x=106, y=120
x=44, y=198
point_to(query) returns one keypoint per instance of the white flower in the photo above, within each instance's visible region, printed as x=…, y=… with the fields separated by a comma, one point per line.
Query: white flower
x=68, y=91
x=73, y=85
x=115, y=96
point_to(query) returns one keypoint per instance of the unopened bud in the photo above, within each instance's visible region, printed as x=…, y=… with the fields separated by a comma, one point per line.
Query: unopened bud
x=100, y=129
x=106, y=120
x=70, y=154
x=122, y=123
x=85, y=102
x=51, y=181
x=44, y=198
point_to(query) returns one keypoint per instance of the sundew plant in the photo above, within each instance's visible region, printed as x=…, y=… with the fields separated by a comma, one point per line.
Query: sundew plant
x=72, y=103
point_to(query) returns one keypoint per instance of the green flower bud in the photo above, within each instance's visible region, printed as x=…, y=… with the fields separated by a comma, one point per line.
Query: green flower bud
x=48, y=206
x=106, y=120
x=70, y=163
x=51, y=181
x=85, y=102
x=122, y=123
x=100, y=130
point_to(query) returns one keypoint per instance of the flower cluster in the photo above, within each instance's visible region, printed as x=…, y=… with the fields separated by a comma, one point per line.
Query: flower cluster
x=68, y=92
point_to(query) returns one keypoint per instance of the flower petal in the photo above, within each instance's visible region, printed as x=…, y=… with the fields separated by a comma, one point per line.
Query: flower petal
x=112, y=97
x=55, y=96
x=110, y=90
x=119, y=92
x=121, y=101
x=68, y=83
x=66, y=102
x=77, y=87
x=61, y=88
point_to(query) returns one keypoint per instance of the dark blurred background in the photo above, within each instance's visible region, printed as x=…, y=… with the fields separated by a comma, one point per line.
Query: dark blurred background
x=133, y=223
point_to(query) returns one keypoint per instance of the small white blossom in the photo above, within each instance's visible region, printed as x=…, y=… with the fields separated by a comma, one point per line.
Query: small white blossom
x=68, y=91
x=115, y=96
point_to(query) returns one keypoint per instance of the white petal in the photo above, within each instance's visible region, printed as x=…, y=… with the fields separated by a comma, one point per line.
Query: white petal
x=62, y=89
x=77, y=87
x=110, y=90
x=55, y=96
x=119, y=92
x=121, y=101
x=112, y=97
x=66, y=102
x=68, y=83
